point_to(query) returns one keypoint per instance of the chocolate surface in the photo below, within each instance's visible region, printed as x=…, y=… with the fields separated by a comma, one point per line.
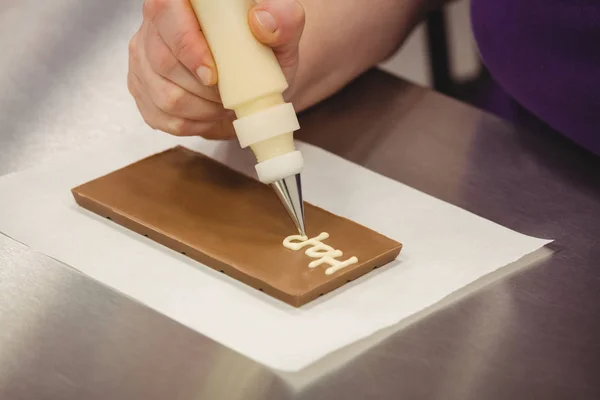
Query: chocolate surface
x=231, y=223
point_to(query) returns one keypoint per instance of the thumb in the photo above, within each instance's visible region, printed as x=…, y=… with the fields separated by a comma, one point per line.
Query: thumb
x=279, y=25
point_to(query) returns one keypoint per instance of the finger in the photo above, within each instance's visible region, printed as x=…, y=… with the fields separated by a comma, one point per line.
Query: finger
x=173, y=99
x=219, y=130
x=152, y=115
x=279, y=24
x=176, y=23
x=164, y=63
x=157, y=119
x=133, y=64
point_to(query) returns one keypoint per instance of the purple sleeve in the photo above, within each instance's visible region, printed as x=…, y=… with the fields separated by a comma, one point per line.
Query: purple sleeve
x=546, y=55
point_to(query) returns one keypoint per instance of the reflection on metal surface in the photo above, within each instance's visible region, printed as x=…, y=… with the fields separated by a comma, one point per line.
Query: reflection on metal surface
x=66, y=337
x=289, y=192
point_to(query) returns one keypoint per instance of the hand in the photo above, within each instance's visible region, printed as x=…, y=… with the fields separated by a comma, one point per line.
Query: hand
x=172, y=74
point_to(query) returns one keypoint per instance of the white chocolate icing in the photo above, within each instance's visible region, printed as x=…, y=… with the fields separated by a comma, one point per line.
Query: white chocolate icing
x=323, y=253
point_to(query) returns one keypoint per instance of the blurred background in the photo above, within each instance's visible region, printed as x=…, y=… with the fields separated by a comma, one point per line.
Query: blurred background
x=442, y=54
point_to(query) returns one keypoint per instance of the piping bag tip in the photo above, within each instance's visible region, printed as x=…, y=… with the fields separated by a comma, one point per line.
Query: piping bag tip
x=289, y=192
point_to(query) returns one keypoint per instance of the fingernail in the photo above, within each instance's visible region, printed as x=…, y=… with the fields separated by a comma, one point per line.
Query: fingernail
x=266, y=20
x=205, y=74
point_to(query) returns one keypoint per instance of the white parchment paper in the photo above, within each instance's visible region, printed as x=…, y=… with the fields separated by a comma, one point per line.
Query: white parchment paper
x=445, y=249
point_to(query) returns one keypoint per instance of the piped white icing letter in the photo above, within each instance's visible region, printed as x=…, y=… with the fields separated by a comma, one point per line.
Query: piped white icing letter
x=323, y=253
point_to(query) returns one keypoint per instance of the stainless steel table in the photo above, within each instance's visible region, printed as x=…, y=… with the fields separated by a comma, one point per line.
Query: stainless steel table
x=64, y=336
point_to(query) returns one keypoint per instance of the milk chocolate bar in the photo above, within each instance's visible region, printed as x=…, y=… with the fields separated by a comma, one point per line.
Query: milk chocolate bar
x=232, y=223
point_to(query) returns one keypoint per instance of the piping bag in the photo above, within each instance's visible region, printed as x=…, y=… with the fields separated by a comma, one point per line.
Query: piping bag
x=251, y=83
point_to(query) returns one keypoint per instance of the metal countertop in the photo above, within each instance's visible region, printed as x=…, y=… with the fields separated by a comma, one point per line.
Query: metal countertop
x=64, y=336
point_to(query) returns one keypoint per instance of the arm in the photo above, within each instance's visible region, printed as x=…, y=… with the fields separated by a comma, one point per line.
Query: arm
x=342, y=39
x=172, y=74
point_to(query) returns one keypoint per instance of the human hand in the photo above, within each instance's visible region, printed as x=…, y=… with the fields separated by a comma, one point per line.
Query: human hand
x=172, y=73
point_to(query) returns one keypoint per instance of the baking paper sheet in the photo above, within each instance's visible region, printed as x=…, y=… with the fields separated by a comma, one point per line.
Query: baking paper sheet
x=445, y=249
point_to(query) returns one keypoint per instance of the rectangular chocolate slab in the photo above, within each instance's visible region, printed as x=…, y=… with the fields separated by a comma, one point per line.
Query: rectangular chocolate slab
x=231, y=223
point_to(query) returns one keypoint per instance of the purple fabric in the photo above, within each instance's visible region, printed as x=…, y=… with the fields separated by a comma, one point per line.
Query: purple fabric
x=545, y=54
